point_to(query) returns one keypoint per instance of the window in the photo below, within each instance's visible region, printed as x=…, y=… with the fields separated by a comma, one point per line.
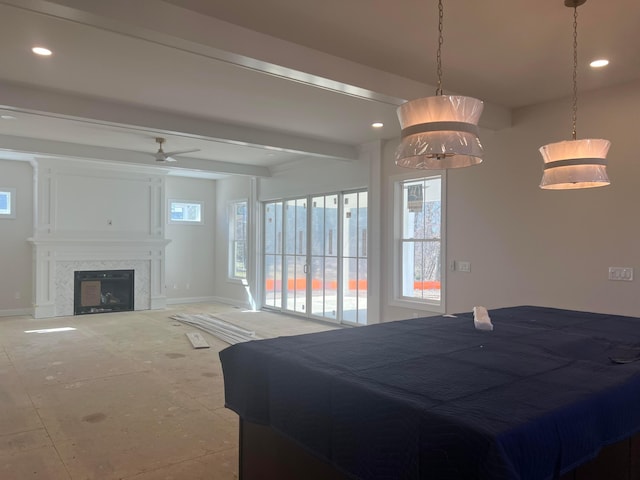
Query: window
x=419, y=249
x=7, y=202
x=181, y=211
x=238, y=239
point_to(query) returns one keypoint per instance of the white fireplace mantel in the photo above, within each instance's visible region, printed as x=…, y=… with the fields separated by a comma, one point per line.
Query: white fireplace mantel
x=56, y=260
x=101, y=243
x=92, y=216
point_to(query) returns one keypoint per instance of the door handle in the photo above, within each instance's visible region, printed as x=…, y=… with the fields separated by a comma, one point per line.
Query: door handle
x=305, y=269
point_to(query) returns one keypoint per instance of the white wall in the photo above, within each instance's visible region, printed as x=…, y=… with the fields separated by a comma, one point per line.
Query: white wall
x=15, y=251
x=191, y=269
x=321, y=175
x=525, y=245
x=96, y=215
x=529, y=246
x=97, y=202
x=553, y=248
x=314, y=175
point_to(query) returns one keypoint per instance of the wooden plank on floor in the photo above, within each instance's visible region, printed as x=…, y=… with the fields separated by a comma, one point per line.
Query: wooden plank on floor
x=197, y=340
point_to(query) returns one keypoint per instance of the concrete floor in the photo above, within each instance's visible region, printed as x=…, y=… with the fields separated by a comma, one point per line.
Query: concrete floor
x=123, y=396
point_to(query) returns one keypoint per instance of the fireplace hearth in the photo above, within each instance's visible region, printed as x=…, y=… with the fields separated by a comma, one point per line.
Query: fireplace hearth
x=103, y=291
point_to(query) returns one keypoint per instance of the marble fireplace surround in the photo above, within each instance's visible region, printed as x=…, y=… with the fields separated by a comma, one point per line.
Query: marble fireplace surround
x=55, y=262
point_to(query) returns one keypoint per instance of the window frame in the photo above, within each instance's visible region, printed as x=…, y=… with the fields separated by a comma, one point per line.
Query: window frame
x=396, y=298
x=172, y=201
x=11, y=214
x=231, y=225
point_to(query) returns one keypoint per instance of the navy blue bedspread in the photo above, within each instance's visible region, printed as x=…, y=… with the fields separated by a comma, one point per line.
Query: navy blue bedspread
x=433, y=398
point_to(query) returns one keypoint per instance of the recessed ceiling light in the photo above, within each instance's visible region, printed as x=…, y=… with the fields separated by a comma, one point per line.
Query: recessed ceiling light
x=7, y=117
x=41, y=51
x=377, y=125
x=599, y=63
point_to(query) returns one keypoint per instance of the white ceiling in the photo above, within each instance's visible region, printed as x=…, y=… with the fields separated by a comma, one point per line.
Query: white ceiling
x=256, y=83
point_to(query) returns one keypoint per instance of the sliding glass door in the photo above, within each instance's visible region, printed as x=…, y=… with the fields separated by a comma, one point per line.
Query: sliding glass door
x=295, y=255
x=324, y=256
x=273, y=257
x=354, y=258
x=319, y=269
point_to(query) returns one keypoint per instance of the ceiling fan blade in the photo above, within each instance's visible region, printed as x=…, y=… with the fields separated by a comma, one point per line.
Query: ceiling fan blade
x=181, y=152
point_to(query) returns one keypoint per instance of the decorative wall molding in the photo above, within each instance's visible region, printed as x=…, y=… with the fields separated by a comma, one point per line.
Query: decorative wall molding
x=16, y=312
x=116, y=224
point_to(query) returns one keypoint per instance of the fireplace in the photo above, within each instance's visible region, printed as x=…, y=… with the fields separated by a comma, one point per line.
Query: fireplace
x=103, y=291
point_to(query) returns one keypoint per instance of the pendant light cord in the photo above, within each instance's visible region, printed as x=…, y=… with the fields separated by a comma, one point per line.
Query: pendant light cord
x=440, y=42
x=575, y=71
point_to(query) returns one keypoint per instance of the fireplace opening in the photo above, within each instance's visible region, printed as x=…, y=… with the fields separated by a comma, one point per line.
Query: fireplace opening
x=103, y=291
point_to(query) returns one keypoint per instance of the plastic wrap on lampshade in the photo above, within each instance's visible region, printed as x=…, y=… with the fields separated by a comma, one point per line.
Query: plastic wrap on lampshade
x=579, y=164
x=451, y=140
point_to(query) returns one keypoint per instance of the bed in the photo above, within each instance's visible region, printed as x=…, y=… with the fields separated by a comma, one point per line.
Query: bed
x=539, y=397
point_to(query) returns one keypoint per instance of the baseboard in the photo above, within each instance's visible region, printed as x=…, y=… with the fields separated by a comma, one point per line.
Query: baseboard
x=226, y=301
x=45, y=311
x=158, y=303
x=232, y=301
x=16, y=312
x=178, y=301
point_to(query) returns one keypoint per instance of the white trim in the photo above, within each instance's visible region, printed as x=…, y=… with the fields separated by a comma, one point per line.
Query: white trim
x=394, y=298
x=214, y=299
x=16, y=312
x=372, y=152
x=255, y=235
x=232, y=301
x=185, y=300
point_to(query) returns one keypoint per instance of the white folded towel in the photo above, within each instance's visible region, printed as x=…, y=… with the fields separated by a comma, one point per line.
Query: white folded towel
x=481, y=319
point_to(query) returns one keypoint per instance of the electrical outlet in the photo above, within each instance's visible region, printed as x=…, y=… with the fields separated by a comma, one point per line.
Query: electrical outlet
x=621, y=274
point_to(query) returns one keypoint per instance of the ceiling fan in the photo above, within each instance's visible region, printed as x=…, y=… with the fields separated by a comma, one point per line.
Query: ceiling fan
x=162, y=156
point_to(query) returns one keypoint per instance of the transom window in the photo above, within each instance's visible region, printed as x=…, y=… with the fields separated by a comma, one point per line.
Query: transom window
x=187, y=212
x=7, y=202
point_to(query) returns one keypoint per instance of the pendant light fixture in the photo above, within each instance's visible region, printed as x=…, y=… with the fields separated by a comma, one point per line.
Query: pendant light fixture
x=575, y=163
x=442, y=131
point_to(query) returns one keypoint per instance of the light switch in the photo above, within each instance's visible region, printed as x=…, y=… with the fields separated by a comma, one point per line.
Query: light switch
x=463, y=266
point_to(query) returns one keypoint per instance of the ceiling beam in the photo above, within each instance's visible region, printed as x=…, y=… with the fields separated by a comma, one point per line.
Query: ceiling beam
x=51, y=148
x=190, y=31
x=22, y=98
